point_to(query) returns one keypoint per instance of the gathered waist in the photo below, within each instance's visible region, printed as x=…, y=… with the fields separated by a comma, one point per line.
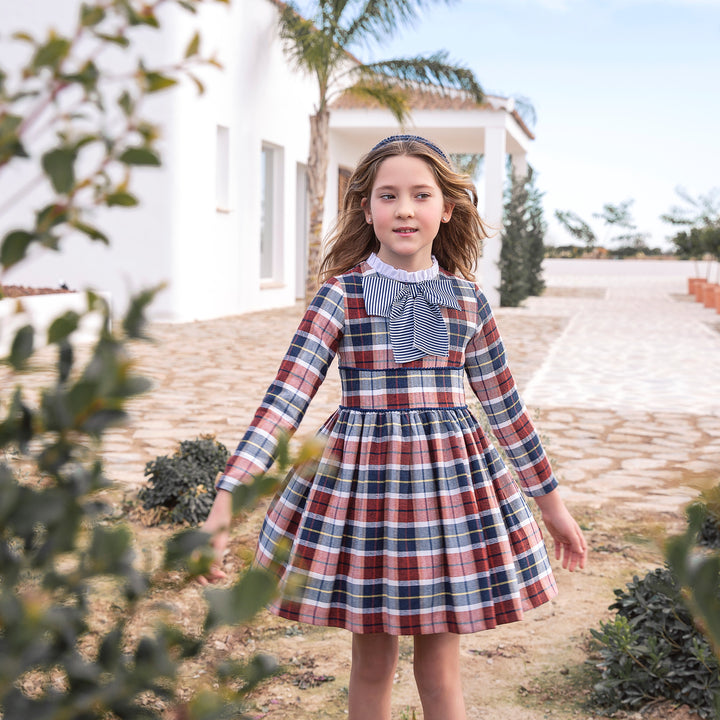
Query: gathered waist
x=399, y=389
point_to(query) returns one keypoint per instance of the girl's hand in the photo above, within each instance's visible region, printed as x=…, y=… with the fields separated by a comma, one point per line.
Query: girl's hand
x=218, y=525
x=568, y=537
x=570, y=545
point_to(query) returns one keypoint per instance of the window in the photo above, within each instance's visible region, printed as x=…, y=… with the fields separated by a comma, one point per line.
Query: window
x=222, y=169
x=271, y=213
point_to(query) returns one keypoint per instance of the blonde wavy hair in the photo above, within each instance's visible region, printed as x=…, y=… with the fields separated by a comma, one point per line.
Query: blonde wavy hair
x=458, y=243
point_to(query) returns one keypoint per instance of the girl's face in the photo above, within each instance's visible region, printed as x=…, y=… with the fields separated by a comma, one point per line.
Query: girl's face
x=406, y=207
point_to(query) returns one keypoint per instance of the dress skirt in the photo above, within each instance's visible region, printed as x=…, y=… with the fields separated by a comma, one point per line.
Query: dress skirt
x=410, y=523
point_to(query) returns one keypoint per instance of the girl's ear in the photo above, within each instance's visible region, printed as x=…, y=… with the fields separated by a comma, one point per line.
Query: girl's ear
x=448, y=208
x=366, y=209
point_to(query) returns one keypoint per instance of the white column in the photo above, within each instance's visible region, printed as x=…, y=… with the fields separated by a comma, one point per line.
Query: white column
x=495, y=150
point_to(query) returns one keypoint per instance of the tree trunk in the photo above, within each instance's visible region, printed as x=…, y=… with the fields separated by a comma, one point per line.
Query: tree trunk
x=317, y=181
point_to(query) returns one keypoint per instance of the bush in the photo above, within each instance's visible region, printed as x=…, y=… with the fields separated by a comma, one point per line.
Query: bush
x=522, y=250
x=652, y=649
x=184, y=484
x=709, y=507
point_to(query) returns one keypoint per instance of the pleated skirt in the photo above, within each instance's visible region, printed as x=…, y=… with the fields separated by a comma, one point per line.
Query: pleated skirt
x=410, y=523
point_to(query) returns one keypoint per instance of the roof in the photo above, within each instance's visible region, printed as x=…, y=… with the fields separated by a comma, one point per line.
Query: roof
x=436, y=99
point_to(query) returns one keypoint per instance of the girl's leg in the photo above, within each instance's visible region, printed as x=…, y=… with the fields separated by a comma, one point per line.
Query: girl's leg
x=437, y=674
x=374, y=659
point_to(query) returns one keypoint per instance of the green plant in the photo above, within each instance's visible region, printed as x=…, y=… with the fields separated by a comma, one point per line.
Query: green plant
x=709, y=532
x=184, y=485
x=79, y=127
x=522, y=250
x=652, y=649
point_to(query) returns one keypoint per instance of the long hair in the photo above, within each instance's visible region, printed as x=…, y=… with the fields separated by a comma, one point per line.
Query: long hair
x=458, y=243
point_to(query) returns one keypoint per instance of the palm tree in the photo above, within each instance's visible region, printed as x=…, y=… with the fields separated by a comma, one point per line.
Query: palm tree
x=320, y=44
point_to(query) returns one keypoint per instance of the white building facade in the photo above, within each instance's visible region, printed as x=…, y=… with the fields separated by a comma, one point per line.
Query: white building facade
x=224, y=222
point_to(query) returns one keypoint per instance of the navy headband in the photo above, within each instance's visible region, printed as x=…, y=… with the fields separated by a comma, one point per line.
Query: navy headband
x=416, y=138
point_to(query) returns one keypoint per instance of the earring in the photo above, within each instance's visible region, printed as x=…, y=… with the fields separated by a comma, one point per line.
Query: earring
x=444, y=219
x=369, y=221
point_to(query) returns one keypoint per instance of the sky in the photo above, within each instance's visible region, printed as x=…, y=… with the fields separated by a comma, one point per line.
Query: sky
x=626, y=92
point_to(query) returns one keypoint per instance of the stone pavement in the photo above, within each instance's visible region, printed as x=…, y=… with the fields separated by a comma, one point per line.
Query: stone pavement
x=620, y=370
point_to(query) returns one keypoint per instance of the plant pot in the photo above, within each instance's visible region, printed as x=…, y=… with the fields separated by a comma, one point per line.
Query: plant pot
x=692, y=282
x=708, y=295
x=717, y=299
x=698, y=288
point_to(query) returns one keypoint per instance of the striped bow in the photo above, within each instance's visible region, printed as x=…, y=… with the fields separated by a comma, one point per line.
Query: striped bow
x=417, y=327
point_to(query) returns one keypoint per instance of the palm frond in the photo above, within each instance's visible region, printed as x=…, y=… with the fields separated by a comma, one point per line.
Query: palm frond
x=393, y=98
x=310, y=43
x=377, y=20
x=431, y=71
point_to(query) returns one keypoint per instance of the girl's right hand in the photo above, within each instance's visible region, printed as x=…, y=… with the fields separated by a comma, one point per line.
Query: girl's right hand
x=218, y=526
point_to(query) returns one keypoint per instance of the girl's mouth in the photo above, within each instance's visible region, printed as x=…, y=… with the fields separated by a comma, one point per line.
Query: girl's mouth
x=405, y=230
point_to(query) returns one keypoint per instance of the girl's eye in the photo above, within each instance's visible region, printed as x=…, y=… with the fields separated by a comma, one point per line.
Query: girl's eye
x=423, y=196
x=387, y=196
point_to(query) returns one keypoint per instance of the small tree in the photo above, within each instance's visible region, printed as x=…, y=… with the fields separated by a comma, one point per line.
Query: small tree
x=535, y=246
x=701, y=217
x=577, y=227
x=522, y=250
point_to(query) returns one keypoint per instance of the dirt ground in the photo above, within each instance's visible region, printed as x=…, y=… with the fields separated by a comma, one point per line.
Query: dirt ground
x=626, y=477
x=537, y=669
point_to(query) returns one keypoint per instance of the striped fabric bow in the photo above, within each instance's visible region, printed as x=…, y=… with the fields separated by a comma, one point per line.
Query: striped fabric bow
x=417, y=327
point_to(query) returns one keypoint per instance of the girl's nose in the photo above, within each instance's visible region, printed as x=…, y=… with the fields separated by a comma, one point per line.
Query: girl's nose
x=404, y=208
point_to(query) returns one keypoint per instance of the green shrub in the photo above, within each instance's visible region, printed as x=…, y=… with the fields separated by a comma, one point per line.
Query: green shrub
x=652, y=650
x=709, y=532
x=184, y=484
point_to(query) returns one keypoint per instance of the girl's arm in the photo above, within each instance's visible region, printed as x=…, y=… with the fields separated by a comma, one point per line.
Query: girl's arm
x=491, y=380
x=300, y=375
x=494, y=385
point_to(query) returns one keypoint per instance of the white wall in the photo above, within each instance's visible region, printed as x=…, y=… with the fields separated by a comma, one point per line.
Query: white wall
x=209, y=259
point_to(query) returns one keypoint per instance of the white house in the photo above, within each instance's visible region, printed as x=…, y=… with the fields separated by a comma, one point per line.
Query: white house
x=224, y=221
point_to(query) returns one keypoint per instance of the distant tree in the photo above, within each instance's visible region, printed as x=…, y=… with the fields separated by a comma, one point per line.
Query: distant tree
x=522, y=250
x=703, y=211
x=618, y=218
x=701, y=218
x=577, y=227
x=513, y=271
x=535, y=245
x=621, y=229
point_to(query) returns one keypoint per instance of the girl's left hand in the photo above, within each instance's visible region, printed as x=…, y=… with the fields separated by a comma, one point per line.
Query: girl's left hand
x=570, y=545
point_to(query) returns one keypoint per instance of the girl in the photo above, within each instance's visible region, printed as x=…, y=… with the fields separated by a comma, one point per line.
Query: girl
x=410, y=524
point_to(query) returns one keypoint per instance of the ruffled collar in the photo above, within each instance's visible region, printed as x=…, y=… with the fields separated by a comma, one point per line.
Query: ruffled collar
x=403, y=275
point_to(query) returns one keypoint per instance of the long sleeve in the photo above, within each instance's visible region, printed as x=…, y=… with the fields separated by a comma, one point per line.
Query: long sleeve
x=301, y=373
x=491, y=380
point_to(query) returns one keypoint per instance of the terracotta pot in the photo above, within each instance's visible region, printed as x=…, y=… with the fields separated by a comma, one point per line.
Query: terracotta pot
x=692, y=282
x=717, y=299
x=708, y=296
x=698, y=289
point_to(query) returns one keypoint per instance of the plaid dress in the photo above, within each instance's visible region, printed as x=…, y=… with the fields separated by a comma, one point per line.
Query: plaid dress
x=410, y=523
